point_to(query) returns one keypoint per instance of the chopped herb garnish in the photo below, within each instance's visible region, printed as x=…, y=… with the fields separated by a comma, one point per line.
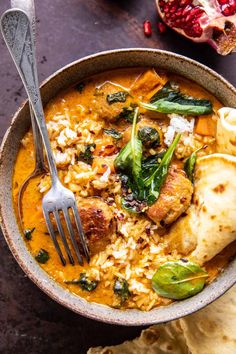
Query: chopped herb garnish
x=113, y=132
x=28, y=233
x=121, y=289
x=80, y=87
x=87, y=155
x=84, y=282
x=117, y=97
x=42, y=256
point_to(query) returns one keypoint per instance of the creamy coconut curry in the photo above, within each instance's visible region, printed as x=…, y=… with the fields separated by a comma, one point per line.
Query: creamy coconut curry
x=151, y=163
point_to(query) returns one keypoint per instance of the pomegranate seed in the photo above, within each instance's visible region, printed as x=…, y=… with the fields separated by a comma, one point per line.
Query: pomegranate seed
x=147, y=28
x=161, y=27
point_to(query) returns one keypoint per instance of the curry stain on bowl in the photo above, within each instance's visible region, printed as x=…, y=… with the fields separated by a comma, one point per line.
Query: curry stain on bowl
x=62, y=79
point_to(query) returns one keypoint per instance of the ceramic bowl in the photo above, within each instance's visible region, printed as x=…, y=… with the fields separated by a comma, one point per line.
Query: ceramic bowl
x=63, y=78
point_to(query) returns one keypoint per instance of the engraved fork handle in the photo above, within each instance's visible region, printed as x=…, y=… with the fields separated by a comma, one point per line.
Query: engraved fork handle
x=28, y=7
x=17, y=33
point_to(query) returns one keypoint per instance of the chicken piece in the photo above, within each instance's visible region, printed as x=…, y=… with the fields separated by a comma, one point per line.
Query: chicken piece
x=174, y=199
x=148, y=84
x=97, y=221
x=111, y=110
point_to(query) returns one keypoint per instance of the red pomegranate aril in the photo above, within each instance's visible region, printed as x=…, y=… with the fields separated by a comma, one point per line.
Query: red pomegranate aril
x=161, y=27
x=147, y=28
x=197, y=19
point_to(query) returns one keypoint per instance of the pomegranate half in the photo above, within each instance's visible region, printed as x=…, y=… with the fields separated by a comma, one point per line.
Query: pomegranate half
x=211, y=21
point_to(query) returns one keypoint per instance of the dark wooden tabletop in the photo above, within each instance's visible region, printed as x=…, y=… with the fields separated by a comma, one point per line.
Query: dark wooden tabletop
x=30, y=322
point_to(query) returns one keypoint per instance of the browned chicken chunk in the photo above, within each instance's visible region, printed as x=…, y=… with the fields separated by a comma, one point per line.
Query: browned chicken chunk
x=174, y=199
x=109, y=101
x=98, y=223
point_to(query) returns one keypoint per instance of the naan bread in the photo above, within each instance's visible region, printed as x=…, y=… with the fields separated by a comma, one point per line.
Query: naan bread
x=213, y=329
x=208, y=331
x=226, y=131
x=210, y=223
x=162, y=339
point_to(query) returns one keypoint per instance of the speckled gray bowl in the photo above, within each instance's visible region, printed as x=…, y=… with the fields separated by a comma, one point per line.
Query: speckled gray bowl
x=65, y=77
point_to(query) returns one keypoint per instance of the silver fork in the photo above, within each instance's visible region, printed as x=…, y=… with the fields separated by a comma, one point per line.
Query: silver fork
x=17, y=33
x=40, y=167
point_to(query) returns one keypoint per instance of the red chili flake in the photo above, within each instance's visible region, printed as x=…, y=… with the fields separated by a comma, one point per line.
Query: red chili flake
x=147, y=28
x=161, y=27
x=109, y=146
x=148, y=230
x=140, y=240
x=120, y=216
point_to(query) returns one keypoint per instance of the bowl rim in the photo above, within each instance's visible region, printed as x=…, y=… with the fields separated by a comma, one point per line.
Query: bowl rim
x=104, y=313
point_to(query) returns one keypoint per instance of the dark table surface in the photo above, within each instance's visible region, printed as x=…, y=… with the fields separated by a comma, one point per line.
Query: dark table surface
x=30, y=322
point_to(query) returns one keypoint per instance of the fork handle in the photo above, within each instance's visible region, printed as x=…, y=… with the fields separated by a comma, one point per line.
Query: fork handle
x=17, y=33
x=29, y=8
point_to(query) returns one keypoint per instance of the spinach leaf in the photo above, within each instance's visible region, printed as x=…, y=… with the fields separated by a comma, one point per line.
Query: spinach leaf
x=179, y=279
x=149, y=137
x=80, y=87
x=87, y=155
x=84, y=282
x=113, y=132
x=170, y=100
x=130, y=157
x=190, y=163
x=127, y=113
x=28, y=233
x=121, y=289
x=156, y=180
x=117, y=97
x=42, y=256
x=150, y=164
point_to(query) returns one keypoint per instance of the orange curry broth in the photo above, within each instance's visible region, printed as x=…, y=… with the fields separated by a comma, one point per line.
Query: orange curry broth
x=32, y=198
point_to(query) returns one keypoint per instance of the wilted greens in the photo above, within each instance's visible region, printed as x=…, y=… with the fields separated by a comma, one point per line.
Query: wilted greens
x=87, y=155
x=143, y=177
x=121, y=289
x=127, y=113
x=84, y=282
x=80, y=87
x=113, y=132
x=179, y=279
x=42, y=256
x=149, y=137
x=156, y=180
x=117, y=97
x=170, y=100
x=190, y=163
x=28, y=233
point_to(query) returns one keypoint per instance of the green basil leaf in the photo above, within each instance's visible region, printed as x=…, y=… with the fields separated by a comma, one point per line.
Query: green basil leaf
x=156, y=180
x=179, y=279
x=117, y=97
x=130, y=157
x=84, y=282
x=190, y=163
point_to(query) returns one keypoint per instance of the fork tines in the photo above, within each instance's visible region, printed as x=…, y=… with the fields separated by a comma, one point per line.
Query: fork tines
x=57, y=213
